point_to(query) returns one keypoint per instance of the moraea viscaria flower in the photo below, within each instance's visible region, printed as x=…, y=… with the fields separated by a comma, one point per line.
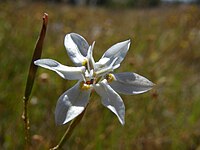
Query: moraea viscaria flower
x=96, y=76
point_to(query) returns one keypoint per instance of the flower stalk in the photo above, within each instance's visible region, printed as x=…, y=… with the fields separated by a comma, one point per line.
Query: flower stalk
x=69, y=130
x=31, y=78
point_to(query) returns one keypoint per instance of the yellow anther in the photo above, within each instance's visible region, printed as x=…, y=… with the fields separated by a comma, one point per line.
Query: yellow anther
x=84, y=63
x=110, y=77
x=84, y=86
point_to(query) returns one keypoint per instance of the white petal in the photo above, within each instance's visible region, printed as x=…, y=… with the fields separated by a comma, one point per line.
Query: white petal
x=118, y=51
x=70, y=73
x=130, y=83
x=111, y=100
x=81, y=43
x=105, y=70
x=71, y=103
x=101, y=63
x=76, y=47
x=90, y=57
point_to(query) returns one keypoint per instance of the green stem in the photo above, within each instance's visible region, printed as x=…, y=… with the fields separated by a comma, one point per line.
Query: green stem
x=69, y=131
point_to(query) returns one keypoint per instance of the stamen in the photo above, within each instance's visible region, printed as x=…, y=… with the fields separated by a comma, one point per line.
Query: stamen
x=88, y=66
x=84, y=86
x=84, y=63
x=90, y=58
x=107, y=69
x=109, y=77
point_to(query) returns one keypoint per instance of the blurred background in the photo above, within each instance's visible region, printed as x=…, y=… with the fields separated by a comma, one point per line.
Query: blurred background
x=165, y=48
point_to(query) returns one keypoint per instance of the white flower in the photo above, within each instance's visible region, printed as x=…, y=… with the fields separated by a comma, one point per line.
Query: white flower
x=94, y=75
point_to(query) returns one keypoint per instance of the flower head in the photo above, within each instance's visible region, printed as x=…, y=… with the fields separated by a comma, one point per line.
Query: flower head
x=94, y=75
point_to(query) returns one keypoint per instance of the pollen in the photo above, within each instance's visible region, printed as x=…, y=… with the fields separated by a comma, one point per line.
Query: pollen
x=84, y=86
x=110, y=77
x=84, y=63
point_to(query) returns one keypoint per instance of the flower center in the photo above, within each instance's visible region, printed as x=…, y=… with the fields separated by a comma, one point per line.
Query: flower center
x=94, y=72
x=90, y=82
x=90, y=75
